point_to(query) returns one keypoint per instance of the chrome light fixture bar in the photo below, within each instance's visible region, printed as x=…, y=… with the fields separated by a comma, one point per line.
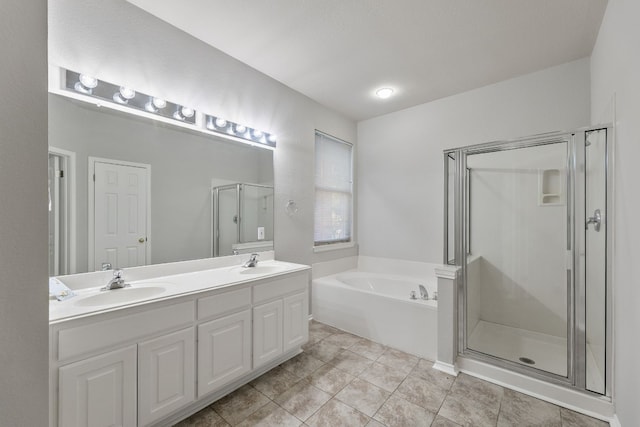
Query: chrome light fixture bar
x=222, y=126
x=124, y=96
x=105, y=91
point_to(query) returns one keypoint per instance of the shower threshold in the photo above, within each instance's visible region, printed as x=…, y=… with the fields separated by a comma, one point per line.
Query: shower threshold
x=547, y=352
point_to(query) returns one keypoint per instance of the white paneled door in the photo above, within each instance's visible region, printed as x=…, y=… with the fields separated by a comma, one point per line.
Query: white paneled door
x=120, y=214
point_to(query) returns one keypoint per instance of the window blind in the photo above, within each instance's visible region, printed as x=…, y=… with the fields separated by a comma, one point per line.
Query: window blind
x=334, y=190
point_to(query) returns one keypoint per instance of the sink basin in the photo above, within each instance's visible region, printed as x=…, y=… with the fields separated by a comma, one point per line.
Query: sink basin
x=261, y=269
x=119, y=296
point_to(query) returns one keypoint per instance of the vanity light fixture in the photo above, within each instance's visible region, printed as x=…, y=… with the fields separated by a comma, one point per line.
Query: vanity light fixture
x=125, y=99
x=384, y=92
x=123, y=95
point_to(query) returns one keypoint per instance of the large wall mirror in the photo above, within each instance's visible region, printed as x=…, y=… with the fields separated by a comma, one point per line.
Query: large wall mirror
x=127, y=190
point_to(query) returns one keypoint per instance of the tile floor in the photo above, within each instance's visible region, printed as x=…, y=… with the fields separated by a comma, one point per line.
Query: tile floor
x=344, y=380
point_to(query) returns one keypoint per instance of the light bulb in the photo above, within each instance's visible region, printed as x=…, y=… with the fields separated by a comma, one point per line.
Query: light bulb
x=272, y=138
x=220, y=122
x=124, y=95
x=257, y=133
x=241, y=130
x=384, y=93
x=88, y=81
x=159, y=103
x=187, y=112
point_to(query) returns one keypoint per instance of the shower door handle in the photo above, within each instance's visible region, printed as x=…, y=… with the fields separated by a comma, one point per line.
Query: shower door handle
x=596, y=220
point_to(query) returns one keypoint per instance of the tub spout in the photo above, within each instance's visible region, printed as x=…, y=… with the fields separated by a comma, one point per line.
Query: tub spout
x=423, y=292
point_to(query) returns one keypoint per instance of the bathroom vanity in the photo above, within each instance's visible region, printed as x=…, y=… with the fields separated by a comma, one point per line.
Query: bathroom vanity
x=167, y=346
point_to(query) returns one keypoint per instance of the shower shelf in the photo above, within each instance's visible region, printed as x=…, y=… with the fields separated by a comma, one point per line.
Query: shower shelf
x=550, y=187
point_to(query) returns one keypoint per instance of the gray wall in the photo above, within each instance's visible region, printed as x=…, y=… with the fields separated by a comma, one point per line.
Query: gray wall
x=23, y=215
x=182, y=166
x=120, y=43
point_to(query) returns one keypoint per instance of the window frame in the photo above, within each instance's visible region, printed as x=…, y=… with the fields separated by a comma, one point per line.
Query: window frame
x=322, y=246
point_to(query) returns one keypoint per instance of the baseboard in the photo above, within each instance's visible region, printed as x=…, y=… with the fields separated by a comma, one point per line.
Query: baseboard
x=447, y=368
x=615, y=422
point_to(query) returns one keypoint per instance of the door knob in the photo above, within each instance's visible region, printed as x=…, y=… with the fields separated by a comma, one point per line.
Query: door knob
x=141, y=240
x=596, y=220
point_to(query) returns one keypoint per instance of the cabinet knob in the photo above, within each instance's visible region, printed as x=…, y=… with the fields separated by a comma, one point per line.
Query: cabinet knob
x=141, y=240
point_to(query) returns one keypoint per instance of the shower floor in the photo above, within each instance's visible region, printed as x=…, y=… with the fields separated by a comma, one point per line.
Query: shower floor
x=547, y=351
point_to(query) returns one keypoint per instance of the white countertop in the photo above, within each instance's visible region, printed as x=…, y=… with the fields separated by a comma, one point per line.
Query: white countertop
x=91, y=301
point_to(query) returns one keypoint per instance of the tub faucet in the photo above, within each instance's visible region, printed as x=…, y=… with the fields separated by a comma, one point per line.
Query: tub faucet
x=252, y=262
x=423, y=292
x=116, y=282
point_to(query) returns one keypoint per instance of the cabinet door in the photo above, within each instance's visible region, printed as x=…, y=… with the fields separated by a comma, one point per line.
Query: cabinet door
x=99, y=391
x=296, y=320
x=166, y=375
x=267, y=332
x=224, y=351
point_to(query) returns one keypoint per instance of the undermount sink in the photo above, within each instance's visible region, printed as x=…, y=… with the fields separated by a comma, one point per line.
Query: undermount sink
x=123, y=295
x=261, y=269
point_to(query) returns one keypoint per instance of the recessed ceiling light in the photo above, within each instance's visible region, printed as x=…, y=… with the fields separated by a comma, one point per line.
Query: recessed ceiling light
x=384, y=92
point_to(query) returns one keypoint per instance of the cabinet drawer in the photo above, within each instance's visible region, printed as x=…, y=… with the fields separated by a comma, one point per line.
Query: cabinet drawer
x=225, y=302
x=278, y=288
x=117, y=331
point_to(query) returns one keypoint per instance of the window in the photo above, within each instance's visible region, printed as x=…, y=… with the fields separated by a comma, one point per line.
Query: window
x=334, y=191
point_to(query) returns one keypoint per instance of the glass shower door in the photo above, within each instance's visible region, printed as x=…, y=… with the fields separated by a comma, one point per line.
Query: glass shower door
x=517, y=241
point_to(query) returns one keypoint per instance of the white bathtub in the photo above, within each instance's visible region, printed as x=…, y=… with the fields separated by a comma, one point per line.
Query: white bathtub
x=377, y=306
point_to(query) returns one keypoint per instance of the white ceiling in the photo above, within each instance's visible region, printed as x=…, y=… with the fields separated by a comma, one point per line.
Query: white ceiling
x=338, y=52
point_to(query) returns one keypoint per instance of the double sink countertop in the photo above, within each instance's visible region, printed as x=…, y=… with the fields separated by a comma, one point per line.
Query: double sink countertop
x=92, y=300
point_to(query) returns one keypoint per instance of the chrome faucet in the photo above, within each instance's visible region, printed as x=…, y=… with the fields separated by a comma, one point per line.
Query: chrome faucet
x=116, y=282
x=252, y=262
x=423, y=292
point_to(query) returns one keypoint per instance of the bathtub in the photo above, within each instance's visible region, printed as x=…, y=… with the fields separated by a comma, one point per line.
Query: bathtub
x=377, y=306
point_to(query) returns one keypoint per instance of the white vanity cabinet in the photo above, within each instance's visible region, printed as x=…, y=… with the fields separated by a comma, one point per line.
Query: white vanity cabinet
x=156, y=363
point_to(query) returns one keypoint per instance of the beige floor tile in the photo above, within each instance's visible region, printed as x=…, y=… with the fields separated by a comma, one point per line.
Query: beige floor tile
x=517, y=408
x=363, y=396
x=476, y=389
x=324, y=350
x=374, y=423
x=466, y=410
x=369, y=349
x=424, y=369
x=336, y=414
x=238, y=405
x=399, y=360
x=422, y=393
x=271, y=415
x=397, y=412
x=302, y=400
x=204, y=418
x=441, y=421
x=275, y=382
x=315, y=326
x=350, y=362
x=383, y=376
x=302, y=365
x=330, y=379
x=343, y=339
x=574, y=419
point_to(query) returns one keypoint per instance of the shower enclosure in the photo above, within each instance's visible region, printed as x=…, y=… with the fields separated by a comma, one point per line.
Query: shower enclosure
x=242, y=218
x=527, y=223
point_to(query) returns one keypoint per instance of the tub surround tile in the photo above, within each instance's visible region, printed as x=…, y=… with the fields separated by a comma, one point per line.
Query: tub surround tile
x=336, y=414
x=238, y=405
x=275, y=382
x=330, y=379
x=425, y=370
x=383, y=376
x=351, y=362
x=204, y=418
x=574, y=419
x=400, y=360
x=369, y=349
x=302, y=400
x=397, y=412
x=363, y=396
x=324, y=350
x=302, y=365
x=422, y=393
x=343, y=339
x=517, y=408
x=271, y=415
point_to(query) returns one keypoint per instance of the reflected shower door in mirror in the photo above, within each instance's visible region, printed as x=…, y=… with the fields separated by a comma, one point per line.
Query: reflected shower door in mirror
x=182, y=166
x=517, y=286
x=242, y=218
